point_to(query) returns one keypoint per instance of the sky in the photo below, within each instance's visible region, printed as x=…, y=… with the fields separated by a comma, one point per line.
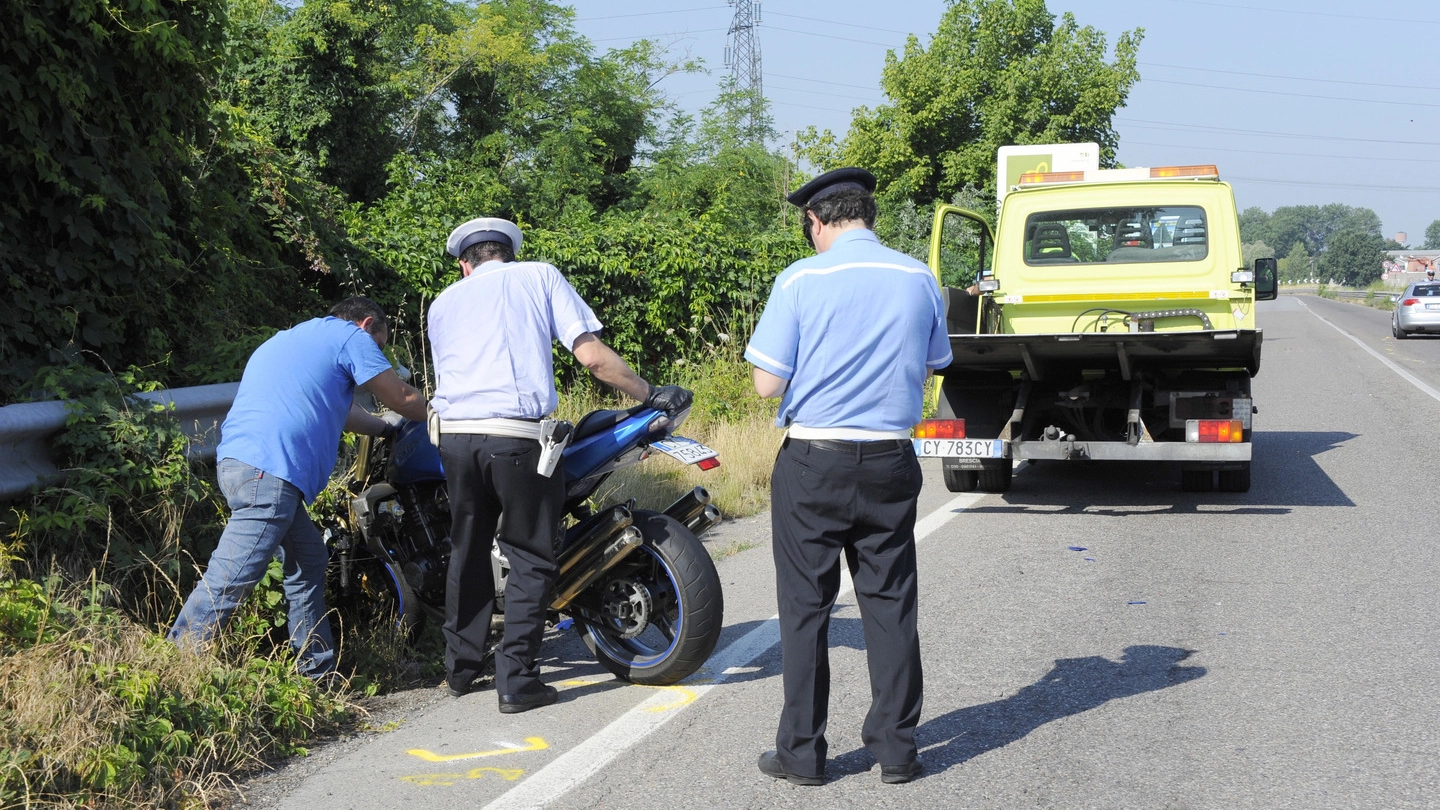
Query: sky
x=1298, y=102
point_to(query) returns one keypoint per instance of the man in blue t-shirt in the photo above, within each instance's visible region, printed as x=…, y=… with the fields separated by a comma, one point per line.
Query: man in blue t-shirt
x=277, y=448
x=846, y=341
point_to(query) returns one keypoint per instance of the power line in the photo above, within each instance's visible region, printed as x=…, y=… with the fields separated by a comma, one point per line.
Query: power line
x=649, y=13
x=657, y=36
x=1292, y=94
x=831, y=36
x=815, y=92
x=1364, y=17
x=1278, y=154
x=822, y=81
x=1290, y=78
x=833, y=22
x=1143, y=124
x=1352, y=186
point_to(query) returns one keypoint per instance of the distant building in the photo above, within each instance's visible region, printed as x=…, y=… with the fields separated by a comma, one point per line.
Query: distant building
x=1405, y=266
x=1402, y=237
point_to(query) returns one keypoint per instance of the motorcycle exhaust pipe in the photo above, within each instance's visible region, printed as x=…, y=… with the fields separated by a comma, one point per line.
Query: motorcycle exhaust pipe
x=609, y=524
x=567, y=588
x=702, y=522
x=689, y=506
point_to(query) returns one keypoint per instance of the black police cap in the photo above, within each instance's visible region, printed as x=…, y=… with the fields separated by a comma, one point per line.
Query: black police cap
x=830, y=182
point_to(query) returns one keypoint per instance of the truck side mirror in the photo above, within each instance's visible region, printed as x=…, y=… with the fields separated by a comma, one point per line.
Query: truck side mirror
x=1266, y=286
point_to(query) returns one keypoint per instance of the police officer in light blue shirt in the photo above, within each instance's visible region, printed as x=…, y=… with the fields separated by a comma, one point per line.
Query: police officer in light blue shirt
x=492, y=333
x=846, y=341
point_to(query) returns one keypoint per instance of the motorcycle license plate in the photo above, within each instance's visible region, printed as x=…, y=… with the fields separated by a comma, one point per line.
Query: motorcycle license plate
x=686, y=451
x=959, y=448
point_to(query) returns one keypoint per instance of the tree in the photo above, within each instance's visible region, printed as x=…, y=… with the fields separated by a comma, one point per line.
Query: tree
x=996, y=72
x=1255, y=226
x=1312, y=224
x=1354, y=257
x=1295, y=267
x=1250, y=251
x=1432, y=236
x=122, y=212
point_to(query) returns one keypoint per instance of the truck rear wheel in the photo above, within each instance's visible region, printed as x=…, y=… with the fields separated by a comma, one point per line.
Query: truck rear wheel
x=997, y=479
x=1235, y=480
x=960, y=480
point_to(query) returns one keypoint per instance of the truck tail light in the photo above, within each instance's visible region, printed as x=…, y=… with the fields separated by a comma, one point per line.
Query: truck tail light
x=940, y=429
x=1210, y=431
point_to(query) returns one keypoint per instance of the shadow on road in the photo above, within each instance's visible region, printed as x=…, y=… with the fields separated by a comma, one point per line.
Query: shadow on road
x=1072, y=686
x=1284, y=474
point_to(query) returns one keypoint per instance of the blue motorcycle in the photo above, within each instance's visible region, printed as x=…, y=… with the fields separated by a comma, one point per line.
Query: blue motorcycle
x=639, y=586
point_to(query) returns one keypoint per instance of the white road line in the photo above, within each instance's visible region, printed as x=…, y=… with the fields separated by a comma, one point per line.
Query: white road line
x=1405, y=375
x=571, y=768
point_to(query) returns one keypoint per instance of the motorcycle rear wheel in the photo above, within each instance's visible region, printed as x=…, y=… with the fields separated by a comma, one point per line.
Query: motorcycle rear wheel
x=661, y=606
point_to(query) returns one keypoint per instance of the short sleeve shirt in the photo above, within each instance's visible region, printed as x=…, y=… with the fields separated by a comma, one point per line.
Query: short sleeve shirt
x=294, y=398
x=492, y=334
x=854, y=330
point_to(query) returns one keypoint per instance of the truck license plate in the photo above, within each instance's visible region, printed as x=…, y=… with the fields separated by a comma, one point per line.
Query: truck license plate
x=959, y=448
x=687, y=451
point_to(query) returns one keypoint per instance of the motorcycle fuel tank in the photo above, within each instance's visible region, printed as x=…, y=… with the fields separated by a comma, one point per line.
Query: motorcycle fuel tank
x=413, y=458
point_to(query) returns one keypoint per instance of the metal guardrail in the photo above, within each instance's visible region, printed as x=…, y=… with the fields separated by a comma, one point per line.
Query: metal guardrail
x=26, y=429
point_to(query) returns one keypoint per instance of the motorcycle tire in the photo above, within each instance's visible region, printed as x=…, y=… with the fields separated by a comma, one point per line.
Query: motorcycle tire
x=662, y=607
x=380, y=592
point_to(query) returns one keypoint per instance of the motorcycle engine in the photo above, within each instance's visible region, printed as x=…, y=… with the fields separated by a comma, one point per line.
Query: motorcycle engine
x=413, y=526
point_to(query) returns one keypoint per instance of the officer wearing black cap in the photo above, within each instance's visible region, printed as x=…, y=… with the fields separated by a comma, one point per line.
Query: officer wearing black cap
x=492, y=334
x=846, y=341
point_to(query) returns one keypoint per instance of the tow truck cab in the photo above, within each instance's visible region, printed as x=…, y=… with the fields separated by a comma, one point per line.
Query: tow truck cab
x=1115, y=321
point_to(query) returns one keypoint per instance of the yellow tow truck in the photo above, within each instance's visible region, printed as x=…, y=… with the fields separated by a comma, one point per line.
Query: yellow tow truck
x=1115, y=322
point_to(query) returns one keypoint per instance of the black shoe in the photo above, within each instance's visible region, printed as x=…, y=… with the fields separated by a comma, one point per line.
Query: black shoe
x=770, y=766
x=525, y=701
x=900, y=774
x=459, y=687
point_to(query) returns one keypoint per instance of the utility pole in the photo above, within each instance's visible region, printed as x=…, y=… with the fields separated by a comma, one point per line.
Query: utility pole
x=742, y=56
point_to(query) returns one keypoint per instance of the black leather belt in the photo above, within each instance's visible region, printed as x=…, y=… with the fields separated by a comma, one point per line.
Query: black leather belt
x=864, y=448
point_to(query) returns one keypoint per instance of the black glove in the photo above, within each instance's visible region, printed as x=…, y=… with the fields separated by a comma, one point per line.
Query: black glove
x=671, y=399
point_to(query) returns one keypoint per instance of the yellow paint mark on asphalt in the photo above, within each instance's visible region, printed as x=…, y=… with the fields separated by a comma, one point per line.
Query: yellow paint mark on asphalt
x=685, y=695
x=531, y=744
x=434, y=779
x=508, y=774
x=448, y=779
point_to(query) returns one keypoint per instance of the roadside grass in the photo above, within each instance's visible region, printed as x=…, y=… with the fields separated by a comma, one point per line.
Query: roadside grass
x=99, y=711
x=732, y=548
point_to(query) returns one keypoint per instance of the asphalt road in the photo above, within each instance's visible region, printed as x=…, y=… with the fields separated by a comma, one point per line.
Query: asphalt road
x=1093, y=638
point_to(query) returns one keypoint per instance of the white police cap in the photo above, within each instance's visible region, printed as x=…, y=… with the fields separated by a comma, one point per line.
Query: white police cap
x=483, y=229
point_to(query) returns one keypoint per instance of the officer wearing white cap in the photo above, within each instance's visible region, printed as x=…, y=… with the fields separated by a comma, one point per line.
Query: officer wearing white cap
x=492, y=334
x=846, y=341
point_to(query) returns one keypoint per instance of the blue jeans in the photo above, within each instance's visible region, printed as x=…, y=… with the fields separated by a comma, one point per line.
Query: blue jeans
x=267, y=519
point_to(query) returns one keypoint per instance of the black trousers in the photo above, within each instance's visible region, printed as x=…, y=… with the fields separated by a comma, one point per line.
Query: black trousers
x=858, y=500
x=495, y=493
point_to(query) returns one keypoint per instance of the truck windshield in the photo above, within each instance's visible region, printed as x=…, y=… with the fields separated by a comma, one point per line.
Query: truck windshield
x=1115, y=235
